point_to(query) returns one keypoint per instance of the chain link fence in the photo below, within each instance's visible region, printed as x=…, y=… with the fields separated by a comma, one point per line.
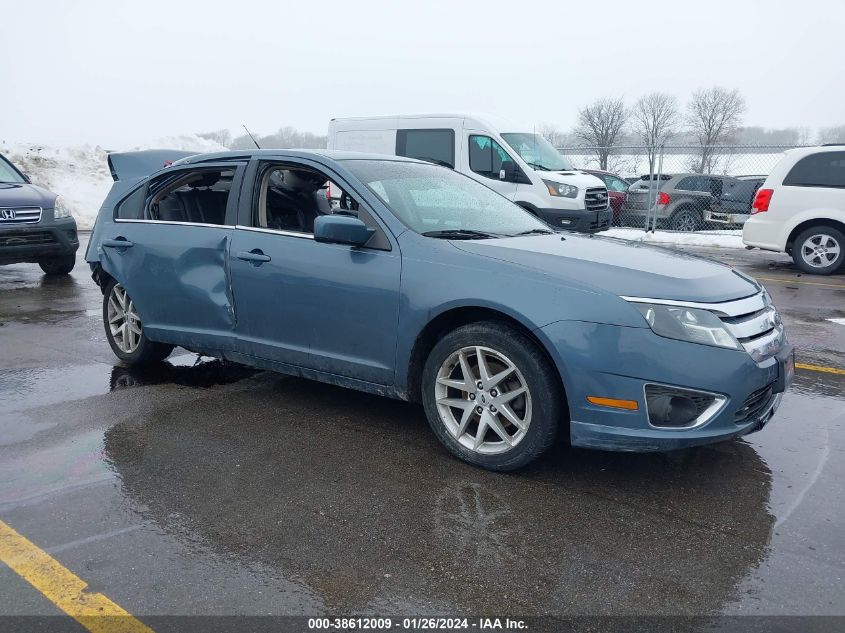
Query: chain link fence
x=680, y=187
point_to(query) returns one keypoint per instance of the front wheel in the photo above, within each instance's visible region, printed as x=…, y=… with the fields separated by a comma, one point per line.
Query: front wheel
x=820, y=250
x=125, y=331
x=58, y=265
x=491, y=396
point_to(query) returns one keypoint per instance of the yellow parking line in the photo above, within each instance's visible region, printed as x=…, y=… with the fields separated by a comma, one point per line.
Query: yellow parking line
x=63, y=588
x=805, y=283
x=827, y=370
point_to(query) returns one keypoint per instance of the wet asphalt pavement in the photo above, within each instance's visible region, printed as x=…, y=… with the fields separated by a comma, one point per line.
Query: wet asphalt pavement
x=205, y=488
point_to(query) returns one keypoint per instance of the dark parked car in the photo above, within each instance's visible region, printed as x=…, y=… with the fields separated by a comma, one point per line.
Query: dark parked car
x=733, y=208
x=35, y=225
x=427, y=285
x=617, y=189
x=682, y=202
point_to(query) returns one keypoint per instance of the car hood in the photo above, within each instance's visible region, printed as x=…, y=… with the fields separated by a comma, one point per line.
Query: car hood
x=612, y=265
x=573, y=177
x=25, y=195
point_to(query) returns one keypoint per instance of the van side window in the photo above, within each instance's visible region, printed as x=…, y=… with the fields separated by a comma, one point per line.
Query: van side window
x=486, y=156
x=195, y=196
x=826, y=169
x=132, y=206
x=435, y=146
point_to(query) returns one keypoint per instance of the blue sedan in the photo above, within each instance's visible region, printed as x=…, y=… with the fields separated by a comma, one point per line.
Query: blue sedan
x=425, y=285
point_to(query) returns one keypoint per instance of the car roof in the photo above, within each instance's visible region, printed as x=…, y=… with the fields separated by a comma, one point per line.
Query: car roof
x=339, y=155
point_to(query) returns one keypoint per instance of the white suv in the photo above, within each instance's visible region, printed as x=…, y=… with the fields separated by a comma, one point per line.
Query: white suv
x=800, y=209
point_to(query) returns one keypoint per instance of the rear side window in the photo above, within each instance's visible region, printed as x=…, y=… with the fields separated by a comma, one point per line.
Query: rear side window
x=195, y=197
x=436, y=146
x=826, y=169
x=694, y=183
x=132, y=206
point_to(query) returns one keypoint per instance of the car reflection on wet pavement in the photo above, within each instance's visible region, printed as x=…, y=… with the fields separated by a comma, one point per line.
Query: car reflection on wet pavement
x=202, y=487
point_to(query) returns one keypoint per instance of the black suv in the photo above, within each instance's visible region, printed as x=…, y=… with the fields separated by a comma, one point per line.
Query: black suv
x=683, y=202
x=35, y=225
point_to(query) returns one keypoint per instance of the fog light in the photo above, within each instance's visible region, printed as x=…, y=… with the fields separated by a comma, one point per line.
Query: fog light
x=673, y=407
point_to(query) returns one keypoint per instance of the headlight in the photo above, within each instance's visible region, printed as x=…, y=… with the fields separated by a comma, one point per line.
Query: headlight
x=60, y=209
x=687, y=324
x=560, y=190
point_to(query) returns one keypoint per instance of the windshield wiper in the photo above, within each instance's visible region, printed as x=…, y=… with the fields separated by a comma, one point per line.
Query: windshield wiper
x=461, y=234
x=534, y=232
x=539, y=166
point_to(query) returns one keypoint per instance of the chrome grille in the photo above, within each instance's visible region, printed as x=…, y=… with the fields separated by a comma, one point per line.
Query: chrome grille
x=596, y=199
x=20, y=215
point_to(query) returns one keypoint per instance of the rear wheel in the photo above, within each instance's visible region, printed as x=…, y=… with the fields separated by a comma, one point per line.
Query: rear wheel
x=491, y=396
x=125, y=330
x=820, y=250
x=686, y=220
x=58, y=265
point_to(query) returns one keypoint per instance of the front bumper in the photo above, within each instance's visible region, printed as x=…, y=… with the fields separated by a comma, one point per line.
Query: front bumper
x=580, y=220
x=617, y=362
x=37, y=242
x=727, y=219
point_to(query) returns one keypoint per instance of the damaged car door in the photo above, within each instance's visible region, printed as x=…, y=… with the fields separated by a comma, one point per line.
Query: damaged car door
x=168, y=247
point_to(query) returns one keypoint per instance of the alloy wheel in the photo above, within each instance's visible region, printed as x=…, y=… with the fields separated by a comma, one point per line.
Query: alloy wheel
x=483, y=400
x=820, y=250
x=123, y=321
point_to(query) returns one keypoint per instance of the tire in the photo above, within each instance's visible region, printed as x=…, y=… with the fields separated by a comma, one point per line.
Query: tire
x=59, y=265
x=453, y=412
x=819, y=250
x=136, y=349
x=686, y=220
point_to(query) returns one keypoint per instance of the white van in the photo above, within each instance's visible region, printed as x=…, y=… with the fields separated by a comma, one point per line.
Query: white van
x=800, y=209
x=518, y=163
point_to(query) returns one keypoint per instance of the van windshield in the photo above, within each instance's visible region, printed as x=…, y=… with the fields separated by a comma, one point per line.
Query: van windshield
x=439, y=202
x=537, y=151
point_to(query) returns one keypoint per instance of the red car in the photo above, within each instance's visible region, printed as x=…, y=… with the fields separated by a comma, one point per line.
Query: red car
x=617, y=189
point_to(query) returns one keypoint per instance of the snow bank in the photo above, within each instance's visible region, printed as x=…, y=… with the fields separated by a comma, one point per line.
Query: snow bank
x=721, y=239
x=80, y=173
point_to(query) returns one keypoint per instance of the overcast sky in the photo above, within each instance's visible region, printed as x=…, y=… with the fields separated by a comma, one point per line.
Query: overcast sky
x=122, y=73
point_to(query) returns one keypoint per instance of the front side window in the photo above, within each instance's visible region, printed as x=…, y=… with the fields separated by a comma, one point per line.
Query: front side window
x=430, y=199
x=8, y=173
x=434, y=146
x=535, y=150
x=486, y=156
x=190, y=196
x=826, y=169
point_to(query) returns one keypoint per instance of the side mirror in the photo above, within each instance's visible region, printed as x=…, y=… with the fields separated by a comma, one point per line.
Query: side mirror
x=510, y=172
x=341, y=229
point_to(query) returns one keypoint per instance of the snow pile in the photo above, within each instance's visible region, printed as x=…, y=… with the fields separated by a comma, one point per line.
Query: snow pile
x=80, y=173
x=721, y=239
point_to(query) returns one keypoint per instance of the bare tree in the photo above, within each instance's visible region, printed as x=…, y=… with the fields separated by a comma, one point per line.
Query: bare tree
x=655, y=121
x=713, y=116
x=551, y=133
x=599, y=126
x=832, y=134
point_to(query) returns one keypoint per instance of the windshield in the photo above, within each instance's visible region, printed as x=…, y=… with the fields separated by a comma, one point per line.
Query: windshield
x=440, y=202
x=9, y=173
x=537, y=151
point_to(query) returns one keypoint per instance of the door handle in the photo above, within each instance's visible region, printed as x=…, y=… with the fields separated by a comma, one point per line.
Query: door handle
x=118, y=242
x=254, y=257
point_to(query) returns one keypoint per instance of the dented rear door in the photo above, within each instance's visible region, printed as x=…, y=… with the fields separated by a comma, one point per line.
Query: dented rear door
x=177, y=274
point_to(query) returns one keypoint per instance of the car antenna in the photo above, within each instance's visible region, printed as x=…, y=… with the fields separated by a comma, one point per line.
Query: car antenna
x=251, y=136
